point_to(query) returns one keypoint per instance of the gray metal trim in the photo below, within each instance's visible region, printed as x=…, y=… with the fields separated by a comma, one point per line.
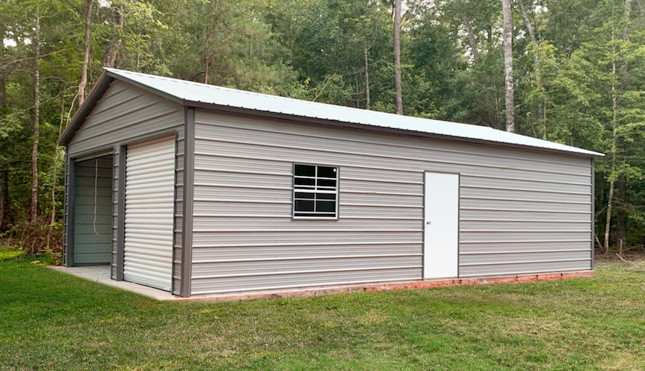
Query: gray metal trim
x=167, y=132
x=174, y=216
x=71, y=201
x=458, y=224
x=120, y=244
x=423, y=228
x=593, y=214
x=188, y=204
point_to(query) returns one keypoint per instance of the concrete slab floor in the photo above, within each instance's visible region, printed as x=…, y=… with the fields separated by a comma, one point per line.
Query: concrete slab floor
x=101, y=274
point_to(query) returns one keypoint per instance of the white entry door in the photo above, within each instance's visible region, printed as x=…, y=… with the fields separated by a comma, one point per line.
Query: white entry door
x=149, y=209
x=441, y=223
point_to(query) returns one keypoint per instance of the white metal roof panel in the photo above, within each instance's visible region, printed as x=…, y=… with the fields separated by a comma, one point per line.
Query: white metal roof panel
x=188, y=91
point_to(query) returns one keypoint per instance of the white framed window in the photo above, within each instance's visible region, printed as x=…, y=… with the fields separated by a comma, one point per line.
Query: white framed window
x=315, y=191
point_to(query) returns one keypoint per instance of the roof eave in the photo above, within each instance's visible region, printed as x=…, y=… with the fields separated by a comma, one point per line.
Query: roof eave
x=284, y=116
x=95, y=94
x=104, y=81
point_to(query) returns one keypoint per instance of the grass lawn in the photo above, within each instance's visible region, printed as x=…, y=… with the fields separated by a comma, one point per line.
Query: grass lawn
x=50, y=320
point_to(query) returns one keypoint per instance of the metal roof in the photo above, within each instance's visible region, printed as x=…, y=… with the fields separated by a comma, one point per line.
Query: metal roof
x=193, y=93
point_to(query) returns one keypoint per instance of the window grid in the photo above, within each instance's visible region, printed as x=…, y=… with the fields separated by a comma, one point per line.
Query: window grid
x=320, y=195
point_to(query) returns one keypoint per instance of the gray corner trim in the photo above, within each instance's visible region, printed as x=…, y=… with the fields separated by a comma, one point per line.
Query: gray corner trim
x=70, y=198
x=120, y=242
x=593, y=214
x=189, y=185
x=458, y=224
x=423, y=227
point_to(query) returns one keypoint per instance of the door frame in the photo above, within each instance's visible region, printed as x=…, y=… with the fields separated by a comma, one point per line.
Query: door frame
x=423, y=222
x=120, y=246
x=69, y=199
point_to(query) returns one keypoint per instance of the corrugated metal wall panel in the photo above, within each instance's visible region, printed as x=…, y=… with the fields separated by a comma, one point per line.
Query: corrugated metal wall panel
x=511, y=202
x=123, y=114
x=320, y=277
x=149, y=213
x=93, y=192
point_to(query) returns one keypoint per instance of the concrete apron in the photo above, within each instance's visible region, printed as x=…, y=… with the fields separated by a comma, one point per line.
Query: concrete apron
x=101, y=274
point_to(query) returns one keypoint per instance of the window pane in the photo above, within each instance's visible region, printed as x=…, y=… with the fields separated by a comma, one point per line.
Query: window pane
x=302, y=205
x=327, y=172
x=325, y=196
x=304, y=182
x=328, y=206
x=305, y=195
x=326, y=183
x=305, y=170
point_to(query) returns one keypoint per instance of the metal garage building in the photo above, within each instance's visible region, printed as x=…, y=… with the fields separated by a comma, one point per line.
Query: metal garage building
x=198, y=189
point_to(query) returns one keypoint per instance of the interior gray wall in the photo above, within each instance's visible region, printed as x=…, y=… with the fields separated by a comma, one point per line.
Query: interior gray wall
x=127, y=114
x=521, y=211
x=93, y=246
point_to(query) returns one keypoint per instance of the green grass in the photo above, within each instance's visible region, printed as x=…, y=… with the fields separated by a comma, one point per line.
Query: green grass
x=51, y=320
x=8, y=253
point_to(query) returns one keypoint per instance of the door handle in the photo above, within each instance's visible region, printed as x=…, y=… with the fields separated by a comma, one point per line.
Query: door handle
x=428, y=222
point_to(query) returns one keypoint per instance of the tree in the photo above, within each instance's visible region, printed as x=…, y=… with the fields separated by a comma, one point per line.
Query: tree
x=508, y=65
x=112, y=50
x=86, y=53
x=398, y=100
x=36, y=136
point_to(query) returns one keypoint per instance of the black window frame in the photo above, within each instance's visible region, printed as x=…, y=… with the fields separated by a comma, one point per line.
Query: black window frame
x=314, y=215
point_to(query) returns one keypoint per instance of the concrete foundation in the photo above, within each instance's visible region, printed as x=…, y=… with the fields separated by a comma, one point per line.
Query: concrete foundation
x=101, y=274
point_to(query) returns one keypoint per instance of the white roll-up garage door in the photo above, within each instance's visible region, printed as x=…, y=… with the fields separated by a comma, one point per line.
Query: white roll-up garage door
x=149, y=207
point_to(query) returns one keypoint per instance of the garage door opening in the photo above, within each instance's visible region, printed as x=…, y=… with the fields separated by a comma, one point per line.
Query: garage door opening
x=149, y=213
x=93, y=211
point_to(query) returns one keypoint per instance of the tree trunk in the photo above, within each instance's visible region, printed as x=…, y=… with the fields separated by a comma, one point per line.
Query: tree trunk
x=3, y=73
x=206, y=58
x=541, y=107
x=621, y=212
x=398, y=101
x=621, y=227
x=4, y=199
x=614, y=141
x=115, y=43
x=34, y=151
x=86, y=54
x=508, y=65
x=367, y=80
x=471, y=34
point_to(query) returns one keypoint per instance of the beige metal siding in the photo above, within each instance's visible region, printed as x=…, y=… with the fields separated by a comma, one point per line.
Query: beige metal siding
x=520, y=211
x=124, y=114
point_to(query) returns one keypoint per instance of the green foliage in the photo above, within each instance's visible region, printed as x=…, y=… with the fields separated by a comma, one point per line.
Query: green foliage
x=338, y=51
x=10, y=253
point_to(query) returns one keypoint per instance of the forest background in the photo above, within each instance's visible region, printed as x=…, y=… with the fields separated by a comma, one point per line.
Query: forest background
x=577, y=76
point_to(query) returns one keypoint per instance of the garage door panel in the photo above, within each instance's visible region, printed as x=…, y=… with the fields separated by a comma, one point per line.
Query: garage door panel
x=149, y=209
